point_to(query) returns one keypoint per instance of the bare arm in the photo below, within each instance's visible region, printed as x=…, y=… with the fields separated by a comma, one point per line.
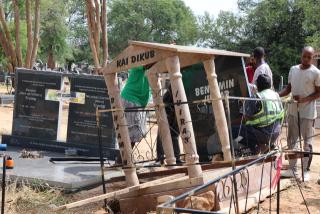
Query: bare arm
x=285, y=91
x=310, y=98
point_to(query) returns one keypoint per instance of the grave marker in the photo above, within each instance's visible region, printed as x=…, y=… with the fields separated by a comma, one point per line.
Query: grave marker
x=39, y=101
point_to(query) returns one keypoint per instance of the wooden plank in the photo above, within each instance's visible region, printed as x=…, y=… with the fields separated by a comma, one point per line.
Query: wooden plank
x=166, y=171
x=187, y=49
x=185, y=61
x=180, y=183
x=115, y=193
x=134, y=56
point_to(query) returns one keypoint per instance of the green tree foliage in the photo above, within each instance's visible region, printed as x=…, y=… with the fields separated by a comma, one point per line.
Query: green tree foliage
x=277, y=25
x=157, y=20
x=282, y=27
x=78, y=32
x=224, y=32
x=54, y=32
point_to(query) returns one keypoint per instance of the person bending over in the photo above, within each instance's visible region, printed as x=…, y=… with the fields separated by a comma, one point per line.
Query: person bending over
x=263, y=118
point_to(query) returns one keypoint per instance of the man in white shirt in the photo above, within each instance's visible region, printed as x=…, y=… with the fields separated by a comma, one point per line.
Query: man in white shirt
x=261, y=66
x=304, y=84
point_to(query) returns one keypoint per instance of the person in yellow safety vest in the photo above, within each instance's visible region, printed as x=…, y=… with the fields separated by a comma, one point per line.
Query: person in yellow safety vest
x=263, y=118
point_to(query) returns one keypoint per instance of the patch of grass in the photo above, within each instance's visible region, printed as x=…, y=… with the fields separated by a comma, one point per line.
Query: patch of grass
x=21, y=198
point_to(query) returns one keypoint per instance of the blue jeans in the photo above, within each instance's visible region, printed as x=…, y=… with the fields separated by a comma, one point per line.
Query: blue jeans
x=255, y=136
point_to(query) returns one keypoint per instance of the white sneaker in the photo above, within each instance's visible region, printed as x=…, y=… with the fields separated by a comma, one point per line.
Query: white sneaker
x=287, y=173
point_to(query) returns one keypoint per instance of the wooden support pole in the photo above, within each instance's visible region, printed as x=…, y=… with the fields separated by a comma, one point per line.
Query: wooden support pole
x=161, y=114
x=218, y=109
x=121, y=128
x=183, y=117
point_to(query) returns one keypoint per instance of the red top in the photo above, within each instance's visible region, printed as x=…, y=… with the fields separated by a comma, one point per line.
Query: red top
x=250, y=73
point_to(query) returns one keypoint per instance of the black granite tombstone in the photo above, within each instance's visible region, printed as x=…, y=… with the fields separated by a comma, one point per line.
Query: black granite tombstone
x=82, y=116
x=38, y=100
x=231, y=78
x=34, y=116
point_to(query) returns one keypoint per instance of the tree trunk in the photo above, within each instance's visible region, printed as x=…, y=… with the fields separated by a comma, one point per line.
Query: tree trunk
x=5, y=48
x=104, y=33
x=51, y=61
x=89, y=10
x=7, y=36
x=97, y=27
x=36, y=32
x=17, y=32
x=29, y=35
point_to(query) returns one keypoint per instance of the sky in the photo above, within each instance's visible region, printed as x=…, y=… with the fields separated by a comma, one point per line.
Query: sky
x=212, y=6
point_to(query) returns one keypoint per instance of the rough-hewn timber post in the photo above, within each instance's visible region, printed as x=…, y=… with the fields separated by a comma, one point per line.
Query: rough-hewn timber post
x=120, y=124
x=183, y=117
x=218, y=109
x=162, y=120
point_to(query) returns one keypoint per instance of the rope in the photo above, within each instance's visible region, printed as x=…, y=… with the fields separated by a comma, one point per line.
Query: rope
x=203, y=101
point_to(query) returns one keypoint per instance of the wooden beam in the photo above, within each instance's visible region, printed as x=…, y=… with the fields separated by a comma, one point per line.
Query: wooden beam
x=134, y=56
x=116, y=194
x=167, y=171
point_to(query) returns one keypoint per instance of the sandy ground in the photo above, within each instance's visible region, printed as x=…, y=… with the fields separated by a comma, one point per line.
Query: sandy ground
x=291, y=199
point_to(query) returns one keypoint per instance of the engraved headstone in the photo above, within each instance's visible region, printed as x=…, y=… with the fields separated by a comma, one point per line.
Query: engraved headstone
x=34, y=116
x=82, y=117
x=38, y=121
x=232, y=78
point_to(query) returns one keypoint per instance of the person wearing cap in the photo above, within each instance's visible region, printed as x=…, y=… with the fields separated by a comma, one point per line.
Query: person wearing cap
x=263, y=118
x=260, y=64
x=304, y=85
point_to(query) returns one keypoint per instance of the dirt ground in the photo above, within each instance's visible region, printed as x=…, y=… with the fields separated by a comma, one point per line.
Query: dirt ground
x=291, y=199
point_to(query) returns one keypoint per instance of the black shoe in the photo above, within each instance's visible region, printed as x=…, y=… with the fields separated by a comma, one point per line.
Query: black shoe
x=179, y=161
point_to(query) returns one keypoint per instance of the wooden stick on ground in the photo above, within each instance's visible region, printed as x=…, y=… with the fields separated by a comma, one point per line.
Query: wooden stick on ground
x=117, y=193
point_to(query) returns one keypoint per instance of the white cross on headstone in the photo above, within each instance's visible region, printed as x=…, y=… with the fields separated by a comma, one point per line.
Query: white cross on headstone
x=64, y=96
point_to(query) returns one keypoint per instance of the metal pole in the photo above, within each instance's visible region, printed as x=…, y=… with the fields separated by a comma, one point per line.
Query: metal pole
x=299, y=128
x=101, y=156
x=232, y=150
x=3, y=184
x=278, y=197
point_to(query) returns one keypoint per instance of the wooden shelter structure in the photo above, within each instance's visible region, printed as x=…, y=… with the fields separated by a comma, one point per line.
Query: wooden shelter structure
x=142, y=198
x=167, y=58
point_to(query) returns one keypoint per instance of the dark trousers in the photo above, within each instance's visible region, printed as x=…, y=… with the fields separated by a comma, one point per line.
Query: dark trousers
x=254, y=137
x=175, y=144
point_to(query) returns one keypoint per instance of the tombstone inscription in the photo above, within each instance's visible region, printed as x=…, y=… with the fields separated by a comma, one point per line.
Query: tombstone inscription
x=232, y=78
x=40, y=99
x=34, y=116
x=82, y=117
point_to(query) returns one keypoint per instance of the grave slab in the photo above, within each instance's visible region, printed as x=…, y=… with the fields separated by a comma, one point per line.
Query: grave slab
x=69, y=176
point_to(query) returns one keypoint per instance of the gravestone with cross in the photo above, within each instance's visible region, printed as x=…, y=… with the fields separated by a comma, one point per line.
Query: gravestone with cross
x=55, y=111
